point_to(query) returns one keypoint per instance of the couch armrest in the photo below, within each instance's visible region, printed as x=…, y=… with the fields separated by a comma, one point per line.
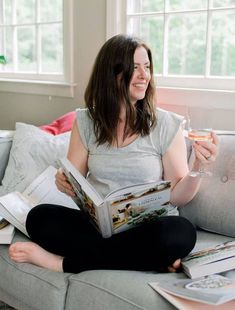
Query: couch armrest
x=5, y=146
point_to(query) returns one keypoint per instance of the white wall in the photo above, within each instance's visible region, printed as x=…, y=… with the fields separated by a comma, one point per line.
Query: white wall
x=89, y=35
x=207, y=109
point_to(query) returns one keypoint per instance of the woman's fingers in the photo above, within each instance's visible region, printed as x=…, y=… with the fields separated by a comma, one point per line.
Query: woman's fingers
x=207, y=151
x=62, y=183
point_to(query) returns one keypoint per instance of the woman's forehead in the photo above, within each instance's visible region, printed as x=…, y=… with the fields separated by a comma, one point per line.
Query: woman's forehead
x=141, y=55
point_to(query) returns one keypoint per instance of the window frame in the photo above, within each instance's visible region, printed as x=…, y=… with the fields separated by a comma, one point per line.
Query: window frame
x=184, y=90
x=61, y=85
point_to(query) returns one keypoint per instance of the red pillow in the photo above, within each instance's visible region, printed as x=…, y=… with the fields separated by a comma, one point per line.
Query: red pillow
x=62, y=124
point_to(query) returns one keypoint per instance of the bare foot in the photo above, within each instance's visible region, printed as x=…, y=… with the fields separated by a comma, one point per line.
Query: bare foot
x=175, y=266
x=30, y=252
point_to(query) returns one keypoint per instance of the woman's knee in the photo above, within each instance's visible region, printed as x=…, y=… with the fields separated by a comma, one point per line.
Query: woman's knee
x=37, y=218
x=177, y=232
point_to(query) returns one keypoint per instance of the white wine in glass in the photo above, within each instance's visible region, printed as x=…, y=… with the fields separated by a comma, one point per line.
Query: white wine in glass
x=200, y=135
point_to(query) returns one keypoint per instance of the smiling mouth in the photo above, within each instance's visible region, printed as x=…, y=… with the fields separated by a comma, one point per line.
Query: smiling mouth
x=138, y=85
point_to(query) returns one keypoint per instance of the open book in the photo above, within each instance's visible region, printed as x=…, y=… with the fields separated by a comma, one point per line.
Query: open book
x=7, y=234
x=121, y=209
x=6, y=231
x=15, y=206
x=214, y=259
x=3, y=223
x=214, y=291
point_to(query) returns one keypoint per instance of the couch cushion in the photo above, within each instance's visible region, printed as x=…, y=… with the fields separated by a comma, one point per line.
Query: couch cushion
x=5, y=146
x=32, y=151
x=114, y=289
x=213, y=208
x=27, y=287
x=126, y=290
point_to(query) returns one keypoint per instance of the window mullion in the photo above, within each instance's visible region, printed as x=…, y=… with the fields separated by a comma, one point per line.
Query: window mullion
x=38, y=37
x=116, y=10
x=2, y=28
x=165, y=39
x=1, y=11
x=15, y=37
x=208, y=39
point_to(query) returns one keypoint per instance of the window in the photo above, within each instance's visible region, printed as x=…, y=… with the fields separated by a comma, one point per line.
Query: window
x=35, y=43
x=193, y=42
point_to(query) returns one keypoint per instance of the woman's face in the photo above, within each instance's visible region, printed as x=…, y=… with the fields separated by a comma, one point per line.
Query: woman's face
x=141, y=75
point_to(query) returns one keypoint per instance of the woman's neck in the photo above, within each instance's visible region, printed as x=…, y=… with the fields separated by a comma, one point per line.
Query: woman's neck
x=122, y=115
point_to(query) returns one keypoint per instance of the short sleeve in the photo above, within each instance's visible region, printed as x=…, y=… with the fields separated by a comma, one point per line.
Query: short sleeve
x=84, y=126
x=168, y=124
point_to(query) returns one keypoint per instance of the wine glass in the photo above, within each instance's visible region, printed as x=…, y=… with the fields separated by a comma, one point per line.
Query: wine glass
x=193, y=134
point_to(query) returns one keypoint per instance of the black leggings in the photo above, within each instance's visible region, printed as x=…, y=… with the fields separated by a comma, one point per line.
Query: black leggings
x=67, y=232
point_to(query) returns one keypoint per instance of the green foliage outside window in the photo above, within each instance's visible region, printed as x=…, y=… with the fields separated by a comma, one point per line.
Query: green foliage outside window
x=2, y=60
x=179, y=37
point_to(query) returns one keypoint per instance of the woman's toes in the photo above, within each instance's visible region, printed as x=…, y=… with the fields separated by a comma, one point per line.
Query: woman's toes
x=175, y=266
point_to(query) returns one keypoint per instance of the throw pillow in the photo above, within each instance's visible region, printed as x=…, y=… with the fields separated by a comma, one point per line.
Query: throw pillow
x=33, y=150
x=61, y=124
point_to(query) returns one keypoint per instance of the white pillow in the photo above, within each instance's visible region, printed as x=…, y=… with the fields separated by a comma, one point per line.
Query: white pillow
x=33, y=150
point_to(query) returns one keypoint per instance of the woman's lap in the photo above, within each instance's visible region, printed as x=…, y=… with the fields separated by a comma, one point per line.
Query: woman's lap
x=67, y=232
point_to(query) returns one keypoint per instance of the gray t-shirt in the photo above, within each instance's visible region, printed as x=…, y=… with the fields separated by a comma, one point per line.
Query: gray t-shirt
x=141, y=161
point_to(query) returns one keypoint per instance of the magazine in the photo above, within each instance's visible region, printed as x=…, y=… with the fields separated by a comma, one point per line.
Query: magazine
x=214, y=259
x=202, y=293
x=15, y=206
x=121, y=209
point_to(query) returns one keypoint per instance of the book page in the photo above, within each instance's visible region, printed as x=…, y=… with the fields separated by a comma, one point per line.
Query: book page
x=185, y=304
x=213, y=290
x=43, y=190
x=143, y=204
x=14, y=208
x=7, y=234
x=137, y=190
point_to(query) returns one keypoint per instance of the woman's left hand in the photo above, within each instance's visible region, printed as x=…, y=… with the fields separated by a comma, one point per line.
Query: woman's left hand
x=207, y=151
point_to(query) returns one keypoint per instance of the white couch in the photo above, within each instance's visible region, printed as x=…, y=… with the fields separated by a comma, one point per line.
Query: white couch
x=27, y=287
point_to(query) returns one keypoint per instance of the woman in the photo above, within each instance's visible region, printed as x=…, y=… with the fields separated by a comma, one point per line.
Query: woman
x=120, y=139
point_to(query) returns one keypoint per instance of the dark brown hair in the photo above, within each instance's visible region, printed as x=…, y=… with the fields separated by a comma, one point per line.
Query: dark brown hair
x=106, y=93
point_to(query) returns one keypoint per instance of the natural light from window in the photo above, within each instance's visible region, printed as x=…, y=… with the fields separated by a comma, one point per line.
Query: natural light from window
x=188, y=38
x=31, y=37
x=193, y=47
x=36, y=47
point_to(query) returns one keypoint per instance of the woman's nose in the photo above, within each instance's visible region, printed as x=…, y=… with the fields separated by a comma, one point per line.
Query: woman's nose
x=142, y=73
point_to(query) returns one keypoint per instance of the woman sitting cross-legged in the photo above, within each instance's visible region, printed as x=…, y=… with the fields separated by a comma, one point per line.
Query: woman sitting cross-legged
x=119, y=139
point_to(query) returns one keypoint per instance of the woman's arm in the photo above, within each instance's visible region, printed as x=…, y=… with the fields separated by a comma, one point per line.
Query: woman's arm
x=175, y=166
x=78, y=155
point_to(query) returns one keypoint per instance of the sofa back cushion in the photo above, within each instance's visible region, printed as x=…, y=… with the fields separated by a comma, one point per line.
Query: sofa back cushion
x=5, y=146
x=32, y=151
x=213, y=208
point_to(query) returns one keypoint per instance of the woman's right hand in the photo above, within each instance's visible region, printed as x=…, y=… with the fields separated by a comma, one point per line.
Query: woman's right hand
x=63, y=184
